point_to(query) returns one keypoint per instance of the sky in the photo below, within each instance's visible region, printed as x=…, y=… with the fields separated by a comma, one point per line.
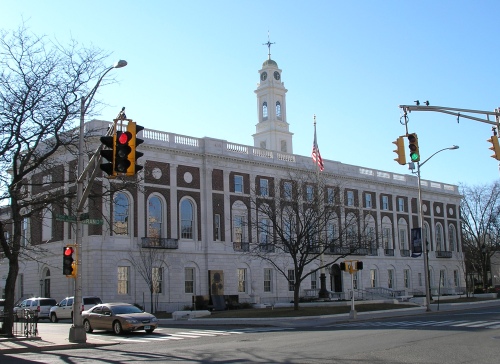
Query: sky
x=193, y=68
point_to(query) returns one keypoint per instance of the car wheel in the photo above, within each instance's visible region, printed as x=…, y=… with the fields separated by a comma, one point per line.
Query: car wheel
x=117, y=328
x=87, y=327
x=53, y=318
x=150, y=331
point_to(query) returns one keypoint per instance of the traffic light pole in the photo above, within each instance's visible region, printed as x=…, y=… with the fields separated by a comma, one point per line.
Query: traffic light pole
x=77, y=332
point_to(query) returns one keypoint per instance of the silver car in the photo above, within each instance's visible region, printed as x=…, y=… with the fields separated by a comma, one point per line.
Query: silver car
x=119, y=318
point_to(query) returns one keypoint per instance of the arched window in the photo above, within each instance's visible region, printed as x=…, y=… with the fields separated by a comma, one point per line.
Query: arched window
x=387, y=233
x=426, y=236
x=278, y=109
x=264, y=110
x=403, y=234
x=155, y=218
x=452, y=237
x=439, y=238
x=121, y=212
x=239, y=215
x=187, y=219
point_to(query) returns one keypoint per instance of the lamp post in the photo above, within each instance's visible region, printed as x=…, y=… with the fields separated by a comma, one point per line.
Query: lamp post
x=76, y=331
x=421, y=224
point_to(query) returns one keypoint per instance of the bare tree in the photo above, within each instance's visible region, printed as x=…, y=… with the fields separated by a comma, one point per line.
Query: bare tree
x=150, y=262
x=41, y=83
x=302, y=220
x=480, y=220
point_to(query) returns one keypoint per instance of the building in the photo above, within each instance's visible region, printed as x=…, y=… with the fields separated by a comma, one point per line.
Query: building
x=191, y=208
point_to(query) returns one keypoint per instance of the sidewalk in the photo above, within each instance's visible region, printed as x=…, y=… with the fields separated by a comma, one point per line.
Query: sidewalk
x=56, y=341
x=60, y=341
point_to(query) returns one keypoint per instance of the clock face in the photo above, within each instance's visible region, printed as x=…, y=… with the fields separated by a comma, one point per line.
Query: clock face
x=276, y=75
x=156, y=173
x=263, y=76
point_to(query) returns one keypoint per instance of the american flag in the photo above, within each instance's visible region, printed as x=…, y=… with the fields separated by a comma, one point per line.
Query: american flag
x=316, y=155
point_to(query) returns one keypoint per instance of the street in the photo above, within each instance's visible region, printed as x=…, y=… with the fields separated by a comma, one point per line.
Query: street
x=447, y=337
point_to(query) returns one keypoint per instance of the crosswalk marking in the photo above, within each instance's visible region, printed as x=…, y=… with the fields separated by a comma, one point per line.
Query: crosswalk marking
x=193, y=334
x=450, y=323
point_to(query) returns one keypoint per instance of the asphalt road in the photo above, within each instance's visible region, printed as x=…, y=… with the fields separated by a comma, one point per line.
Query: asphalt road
x=471, y=336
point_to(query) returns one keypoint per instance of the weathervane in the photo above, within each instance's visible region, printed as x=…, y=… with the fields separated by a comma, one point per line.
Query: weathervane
x=268, y=44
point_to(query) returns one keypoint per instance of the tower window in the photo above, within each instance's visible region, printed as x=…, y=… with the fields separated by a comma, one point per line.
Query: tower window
x=264, y=110
x=278, y=109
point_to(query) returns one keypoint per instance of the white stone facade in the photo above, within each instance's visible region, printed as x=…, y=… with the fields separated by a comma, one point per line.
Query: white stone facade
x=206, y=173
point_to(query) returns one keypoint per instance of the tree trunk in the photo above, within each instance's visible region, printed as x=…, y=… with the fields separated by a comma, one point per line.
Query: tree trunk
x=296, y=292
x=10, y=286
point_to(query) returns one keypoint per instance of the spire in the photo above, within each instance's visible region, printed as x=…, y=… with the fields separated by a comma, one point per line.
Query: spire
x=268, y=44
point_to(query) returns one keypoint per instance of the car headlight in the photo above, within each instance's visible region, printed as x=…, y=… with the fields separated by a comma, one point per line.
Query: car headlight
x=154, y=319
x=132, y=321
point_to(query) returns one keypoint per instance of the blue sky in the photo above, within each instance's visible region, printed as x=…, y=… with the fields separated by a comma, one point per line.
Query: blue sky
x=193, y=68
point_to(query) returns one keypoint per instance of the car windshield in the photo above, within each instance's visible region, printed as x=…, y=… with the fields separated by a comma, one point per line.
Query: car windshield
x=120, y=310
x=91, y=301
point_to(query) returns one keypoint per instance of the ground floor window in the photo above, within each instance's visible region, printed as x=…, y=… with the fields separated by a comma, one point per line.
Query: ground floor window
x=242, y=280
x=189, y=280
x=291, y=280
x=123, y=280
x=268, y=275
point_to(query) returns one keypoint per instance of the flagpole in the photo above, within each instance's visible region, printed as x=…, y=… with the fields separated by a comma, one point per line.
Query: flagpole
x=323, y=293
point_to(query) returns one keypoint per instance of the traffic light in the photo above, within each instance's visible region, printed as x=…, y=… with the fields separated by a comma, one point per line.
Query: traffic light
x=69, y=264
x=358, y=265
x=413, y=145
x=122, y=151
x=400, y=150
x=109, y=154
x=495, y=147
x=133, y=129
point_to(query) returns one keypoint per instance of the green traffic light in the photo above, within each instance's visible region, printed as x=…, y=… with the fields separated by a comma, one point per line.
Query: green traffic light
x=414, y=157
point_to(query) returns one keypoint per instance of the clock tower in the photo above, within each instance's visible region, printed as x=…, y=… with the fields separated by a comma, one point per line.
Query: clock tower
x=272, y=130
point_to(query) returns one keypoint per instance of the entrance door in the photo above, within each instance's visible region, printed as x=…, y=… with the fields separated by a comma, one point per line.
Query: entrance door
x=336, y=278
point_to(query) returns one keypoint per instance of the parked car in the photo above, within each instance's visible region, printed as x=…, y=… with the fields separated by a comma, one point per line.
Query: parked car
x=119, y=318
x=64, y=309
x=40, y=305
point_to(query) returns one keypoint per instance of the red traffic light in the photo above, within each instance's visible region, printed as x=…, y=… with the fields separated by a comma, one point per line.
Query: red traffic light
x=124, y=137
x=68, y=251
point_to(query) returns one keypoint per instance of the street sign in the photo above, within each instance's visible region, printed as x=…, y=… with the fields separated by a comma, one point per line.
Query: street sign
x=93, y=221
x=66, y=218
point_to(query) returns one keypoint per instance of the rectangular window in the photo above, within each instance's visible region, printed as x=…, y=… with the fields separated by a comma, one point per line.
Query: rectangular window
x=314, y=280
x=47, y=224
x=373, y=278
x=355, y=280
x=368, y=200
x=188, y=280
x=238, y=184
x=350, y=198
x=242, y=280
x=287, y=190
x=291, y=280
x=420, y=279
x=330, y=195
x=309, y=193
x=123, y=280
x=217, y=229
x=47, y=179
x=406, y=277
x=21, y=284
x=385, y=202
x=157, y=280
x=331, y=232
x=264, y=187
x=390, y=278
x=268, y=276
x=25, y=237
x=401, y=204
